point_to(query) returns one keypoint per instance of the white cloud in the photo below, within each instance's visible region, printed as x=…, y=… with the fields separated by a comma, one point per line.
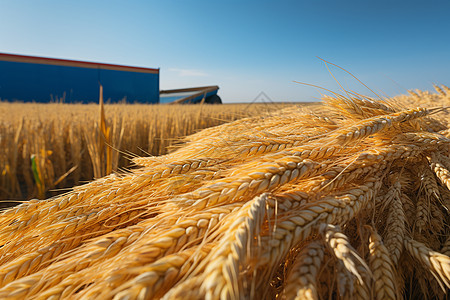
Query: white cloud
x=189, y=72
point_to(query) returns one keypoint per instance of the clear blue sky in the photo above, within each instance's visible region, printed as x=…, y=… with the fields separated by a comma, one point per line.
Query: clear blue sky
x=245, y=47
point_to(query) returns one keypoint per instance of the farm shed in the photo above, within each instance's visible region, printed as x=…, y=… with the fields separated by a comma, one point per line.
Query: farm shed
x=39, y=79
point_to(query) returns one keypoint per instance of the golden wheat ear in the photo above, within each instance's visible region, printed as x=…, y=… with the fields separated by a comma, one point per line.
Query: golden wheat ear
x=347, y=199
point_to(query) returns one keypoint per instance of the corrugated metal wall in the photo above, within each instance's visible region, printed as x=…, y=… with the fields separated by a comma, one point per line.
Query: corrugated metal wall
x=37, y=82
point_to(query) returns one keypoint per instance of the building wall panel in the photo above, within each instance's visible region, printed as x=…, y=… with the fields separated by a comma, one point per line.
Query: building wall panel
x=71, y=81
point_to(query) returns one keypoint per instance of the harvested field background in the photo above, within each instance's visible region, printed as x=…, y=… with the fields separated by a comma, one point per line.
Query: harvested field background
x=46, y=147
x=345, y=200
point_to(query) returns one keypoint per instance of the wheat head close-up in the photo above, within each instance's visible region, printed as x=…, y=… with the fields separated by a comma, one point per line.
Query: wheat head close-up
x=348, y=198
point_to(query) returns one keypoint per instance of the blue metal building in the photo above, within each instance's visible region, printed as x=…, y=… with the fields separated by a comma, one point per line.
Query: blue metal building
x=39, y=79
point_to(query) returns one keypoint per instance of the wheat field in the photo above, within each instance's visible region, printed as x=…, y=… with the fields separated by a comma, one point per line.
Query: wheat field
x=345, y=200
x=48, y=147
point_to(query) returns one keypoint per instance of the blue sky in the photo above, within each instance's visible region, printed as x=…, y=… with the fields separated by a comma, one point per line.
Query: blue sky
x=245, y=47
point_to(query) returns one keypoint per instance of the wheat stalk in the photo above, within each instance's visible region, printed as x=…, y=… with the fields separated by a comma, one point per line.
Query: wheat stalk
x=274, y=207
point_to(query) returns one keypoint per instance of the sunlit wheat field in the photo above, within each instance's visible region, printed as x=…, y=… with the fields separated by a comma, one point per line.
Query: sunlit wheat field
x=48, y=147
x=345, y=199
